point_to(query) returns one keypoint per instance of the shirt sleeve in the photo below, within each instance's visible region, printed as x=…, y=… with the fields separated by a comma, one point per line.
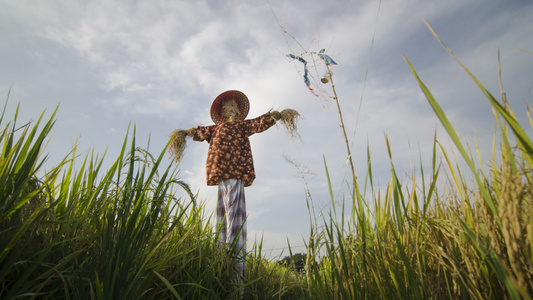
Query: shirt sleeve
x=204, y=133
x=258, y=124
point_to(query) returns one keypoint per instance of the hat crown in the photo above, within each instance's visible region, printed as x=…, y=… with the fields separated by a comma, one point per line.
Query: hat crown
x=242, y=103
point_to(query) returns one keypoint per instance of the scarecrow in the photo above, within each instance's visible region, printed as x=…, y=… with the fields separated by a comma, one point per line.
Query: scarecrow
x=229, y=160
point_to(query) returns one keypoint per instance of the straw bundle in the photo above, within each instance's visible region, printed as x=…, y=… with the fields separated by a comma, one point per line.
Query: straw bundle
x=288, y=119
x=177, y=144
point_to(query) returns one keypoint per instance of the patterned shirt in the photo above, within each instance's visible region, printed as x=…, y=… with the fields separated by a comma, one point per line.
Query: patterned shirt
x=230, y=154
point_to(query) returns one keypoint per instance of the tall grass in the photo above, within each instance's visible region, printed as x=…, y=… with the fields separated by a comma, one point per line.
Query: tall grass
x=420, y=240
x=118, y=234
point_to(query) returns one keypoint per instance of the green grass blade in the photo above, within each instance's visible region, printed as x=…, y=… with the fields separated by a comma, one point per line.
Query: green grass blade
x=168, y=285
x=525, y=144
x=455, y=138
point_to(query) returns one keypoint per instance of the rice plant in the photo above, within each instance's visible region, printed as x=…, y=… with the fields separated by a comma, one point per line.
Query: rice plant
x=420, y=240
x=88, y=234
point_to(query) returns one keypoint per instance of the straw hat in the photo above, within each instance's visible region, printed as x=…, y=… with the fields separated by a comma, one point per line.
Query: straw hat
x=240, y=98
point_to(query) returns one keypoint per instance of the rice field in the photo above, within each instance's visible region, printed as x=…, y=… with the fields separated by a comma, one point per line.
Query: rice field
x=121, y=233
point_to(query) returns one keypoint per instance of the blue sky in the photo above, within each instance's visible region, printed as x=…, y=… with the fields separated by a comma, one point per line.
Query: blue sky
x=159, y=64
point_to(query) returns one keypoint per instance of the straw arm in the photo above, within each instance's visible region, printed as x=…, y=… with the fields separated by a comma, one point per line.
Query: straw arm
x=191, y=131
x=276, y=115
x=178, y=143
x=289, y=118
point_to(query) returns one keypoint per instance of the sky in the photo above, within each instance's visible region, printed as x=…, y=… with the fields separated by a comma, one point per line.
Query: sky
x=159, y=64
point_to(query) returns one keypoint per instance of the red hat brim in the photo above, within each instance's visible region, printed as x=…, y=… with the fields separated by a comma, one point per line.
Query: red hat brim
x=242, y=103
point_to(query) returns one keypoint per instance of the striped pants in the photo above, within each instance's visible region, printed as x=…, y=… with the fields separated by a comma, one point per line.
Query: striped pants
x=231, y=215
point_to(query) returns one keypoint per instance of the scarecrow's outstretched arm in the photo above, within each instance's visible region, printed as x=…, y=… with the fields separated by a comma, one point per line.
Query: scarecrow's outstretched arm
x=178, y=142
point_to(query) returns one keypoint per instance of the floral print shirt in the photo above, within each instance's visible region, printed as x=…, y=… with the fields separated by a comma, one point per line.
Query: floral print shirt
x=230, y=154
